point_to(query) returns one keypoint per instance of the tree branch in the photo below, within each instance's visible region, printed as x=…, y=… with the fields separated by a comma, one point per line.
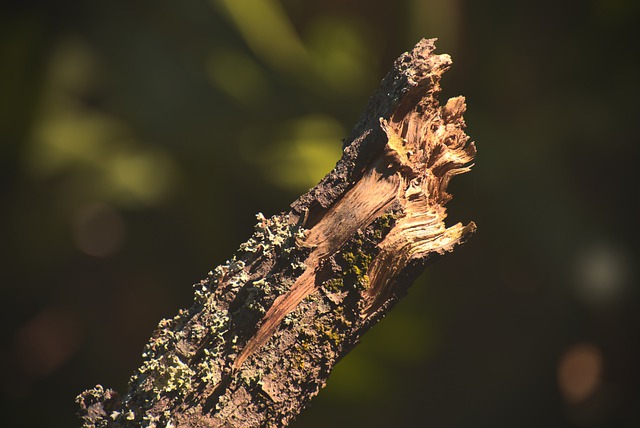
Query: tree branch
x=267, y=327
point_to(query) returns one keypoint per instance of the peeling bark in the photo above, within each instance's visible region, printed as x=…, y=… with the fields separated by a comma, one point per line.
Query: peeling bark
x=267, y=327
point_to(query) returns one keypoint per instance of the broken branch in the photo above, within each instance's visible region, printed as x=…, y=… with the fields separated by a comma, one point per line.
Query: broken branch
x=267, y=327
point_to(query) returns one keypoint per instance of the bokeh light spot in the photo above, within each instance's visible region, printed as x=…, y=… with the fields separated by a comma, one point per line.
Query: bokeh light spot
x=140, y=177
x=268, y=32
x=602, y=273
x=579, y=372
x=98, y=152
x=305, y=149
x=238, y=76
x=47, y=341
x=340, y=55
x=98, y=230
x=358, y=379
x=309, y=149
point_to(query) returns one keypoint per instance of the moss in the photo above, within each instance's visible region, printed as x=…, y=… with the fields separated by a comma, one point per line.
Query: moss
x=342, y=319
x=301, y=348
x=357, y=255
x=334, y=285
x=328, y=333
x=382, y=225
x=355, y=266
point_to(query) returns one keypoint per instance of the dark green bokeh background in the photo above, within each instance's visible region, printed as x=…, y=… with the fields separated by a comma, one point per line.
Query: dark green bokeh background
x=139, y=139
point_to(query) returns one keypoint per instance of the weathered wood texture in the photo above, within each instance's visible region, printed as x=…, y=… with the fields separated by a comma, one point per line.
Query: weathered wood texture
x=267, y=327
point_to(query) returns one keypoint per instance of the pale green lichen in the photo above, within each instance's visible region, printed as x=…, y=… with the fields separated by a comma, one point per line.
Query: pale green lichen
x=163, y=420
x=163, y=371
x=289, y=319
x=150, y=421
x=168, y=374
x=218, y=324
x=272, y=233
x=253, y=302
x=197, y=333
x=208, y=368
x=92, y=403
x=222, y=402
x=231, y=272
x=251, y=377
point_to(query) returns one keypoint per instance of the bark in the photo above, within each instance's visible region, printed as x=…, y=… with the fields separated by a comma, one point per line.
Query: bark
x=266, y=328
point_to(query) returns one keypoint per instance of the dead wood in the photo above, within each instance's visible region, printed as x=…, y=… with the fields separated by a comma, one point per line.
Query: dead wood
x=267, y=327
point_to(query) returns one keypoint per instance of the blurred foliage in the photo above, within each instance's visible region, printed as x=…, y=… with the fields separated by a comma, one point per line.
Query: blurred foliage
x=139, y=138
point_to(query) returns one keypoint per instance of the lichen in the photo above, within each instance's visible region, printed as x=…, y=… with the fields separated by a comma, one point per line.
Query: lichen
x=274, y=233
x=163, y=370
x=92, y=403
x=251, y=377
x=168, y=374
x=253, y=301
x=231, y=272
x=218, y=324
x=289, y=319
x=208, y=368
x=274, y=236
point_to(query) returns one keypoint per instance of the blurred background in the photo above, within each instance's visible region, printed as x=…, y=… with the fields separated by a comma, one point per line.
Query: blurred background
x=139, y=138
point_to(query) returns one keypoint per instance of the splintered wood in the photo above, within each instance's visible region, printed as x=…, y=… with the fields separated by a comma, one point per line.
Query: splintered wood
x=267, y=327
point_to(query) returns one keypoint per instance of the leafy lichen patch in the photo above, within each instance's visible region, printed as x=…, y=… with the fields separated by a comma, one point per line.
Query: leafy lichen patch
x=94, y=405
x=168, y=374
x=273, y=234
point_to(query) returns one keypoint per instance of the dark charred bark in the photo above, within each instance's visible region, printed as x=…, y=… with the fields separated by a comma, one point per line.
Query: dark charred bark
x=267, y=327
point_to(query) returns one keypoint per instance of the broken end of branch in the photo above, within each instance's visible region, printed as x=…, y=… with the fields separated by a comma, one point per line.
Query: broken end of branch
x=267, y=327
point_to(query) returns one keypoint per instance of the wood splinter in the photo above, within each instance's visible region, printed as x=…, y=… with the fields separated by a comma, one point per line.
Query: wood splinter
x=267, y=327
